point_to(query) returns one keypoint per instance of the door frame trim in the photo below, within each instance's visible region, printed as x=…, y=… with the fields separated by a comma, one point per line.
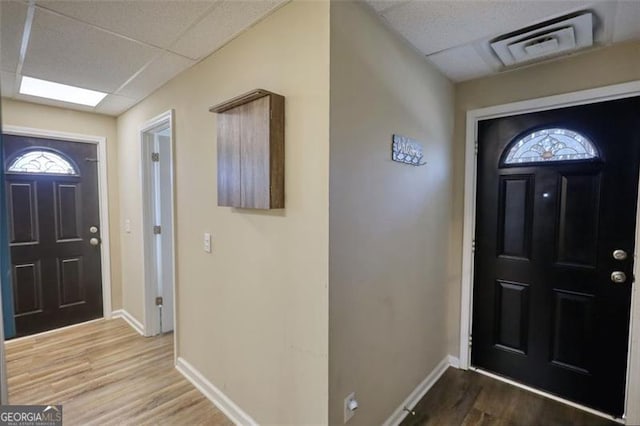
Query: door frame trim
x=582, y=97
x=167, y=116
x=103, y=195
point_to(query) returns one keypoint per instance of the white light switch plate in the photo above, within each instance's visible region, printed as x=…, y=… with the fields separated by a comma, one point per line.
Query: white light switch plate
x=207, y=242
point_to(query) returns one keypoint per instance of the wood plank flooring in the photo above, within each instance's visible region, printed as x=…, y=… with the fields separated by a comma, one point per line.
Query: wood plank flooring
x=468, y=398
x=104, y=373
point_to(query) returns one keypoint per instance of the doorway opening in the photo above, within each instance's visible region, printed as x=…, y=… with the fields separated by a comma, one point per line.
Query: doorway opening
x=628, y=358
x=56, y=192
x=158, y=224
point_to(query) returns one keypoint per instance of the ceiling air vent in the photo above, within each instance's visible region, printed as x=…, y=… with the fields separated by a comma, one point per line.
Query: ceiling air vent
x=545, y=40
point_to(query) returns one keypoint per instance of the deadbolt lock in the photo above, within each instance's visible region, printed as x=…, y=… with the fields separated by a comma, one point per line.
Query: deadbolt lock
x=619, y=254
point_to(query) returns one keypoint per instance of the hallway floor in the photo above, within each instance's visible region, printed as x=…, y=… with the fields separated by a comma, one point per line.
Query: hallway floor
x=468, y=398
x=104, y=373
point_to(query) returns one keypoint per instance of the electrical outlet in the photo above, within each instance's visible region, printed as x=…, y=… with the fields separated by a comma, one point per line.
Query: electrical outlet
x=350, y=406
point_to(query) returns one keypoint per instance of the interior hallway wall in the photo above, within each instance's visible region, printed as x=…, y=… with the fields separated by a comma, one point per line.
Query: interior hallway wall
x=252, y=316
x=596, y=68
x=27, y=114
x=389, y=222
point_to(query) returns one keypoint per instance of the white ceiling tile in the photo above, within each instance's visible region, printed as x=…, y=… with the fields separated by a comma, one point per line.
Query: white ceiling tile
x=382, y=5
x=7, y=84
x=460, y=63
x=12, y=18
x=226, y=20
x=433, y=26
x=627, y=23
x=115, y=105
x=155, y=22
x=67, y=51
x=155, y=75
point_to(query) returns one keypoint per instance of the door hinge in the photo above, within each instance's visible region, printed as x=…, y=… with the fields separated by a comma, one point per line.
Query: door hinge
x=155, y=157
x=158, y=301
x=475, y=148
x=157, y=229
x=470, y=340
x=473, y=246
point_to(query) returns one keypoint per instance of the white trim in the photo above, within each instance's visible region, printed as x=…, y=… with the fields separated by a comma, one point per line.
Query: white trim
x=547, y=395
x=103, y=195
x=150, y=328
x=130, y=319
x=213, y=394
x=420, y=391
x=582, y=97
x=53, y=331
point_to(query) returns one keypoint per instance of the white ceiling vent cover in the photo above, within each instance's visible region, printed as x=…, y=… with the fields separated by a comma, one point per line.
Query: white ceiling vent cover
x=542, y=42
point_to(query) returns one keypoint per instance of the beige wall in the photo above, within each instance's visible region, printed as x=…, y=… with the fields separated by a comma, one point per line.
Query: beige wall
x=612, y=65
x=26, y=114
x=252, y=315
x=389, y=222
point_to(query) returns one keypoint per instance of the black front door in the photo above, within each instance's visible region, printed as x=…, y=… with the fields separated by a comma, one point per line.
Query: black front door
x=54, y=232
x=555, y=226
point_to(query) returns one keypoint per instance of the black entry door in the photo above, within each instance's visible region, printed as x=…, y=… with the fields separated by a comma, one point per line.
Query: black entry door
x=556, y=197
x=54, y=229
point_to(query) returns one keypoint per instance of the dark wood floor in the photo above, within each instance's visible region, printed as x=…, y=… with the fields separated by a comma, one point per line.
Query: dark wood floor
x=468, y=398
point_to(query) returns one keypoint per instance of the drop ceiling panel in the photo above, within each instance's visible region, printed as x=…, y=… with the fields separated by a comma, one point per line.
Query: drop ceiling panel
x=13, y=15
x=225, y=21
x=460, y=63
x=627, y=22
x=382, y=5
x=67, y=51
x=153, y=22
x=115, y=105
x=433, y=26
x=155, y=75
x=8, y=83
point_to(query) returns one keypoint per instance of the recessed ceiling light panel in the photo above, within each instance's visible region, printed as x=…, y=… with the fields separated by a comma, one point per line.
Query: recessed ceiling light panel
x=60, y=92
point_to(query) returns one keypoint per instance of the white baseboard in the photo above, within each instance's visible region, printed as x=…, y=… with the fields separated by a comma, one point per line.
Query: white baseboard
x=454, y=361
x=134, y=323
x=420, y=391
x=213, y=394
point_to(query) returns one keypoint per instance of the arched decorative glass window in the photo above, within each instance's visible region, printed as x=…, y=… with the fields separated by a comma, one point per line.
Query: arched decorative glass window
x=41, y=161
x=553, y=144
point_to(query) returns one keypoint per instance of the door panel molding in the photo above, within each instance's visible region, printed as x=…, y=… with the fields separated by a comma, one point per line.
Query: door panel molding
x=103, y=191
x=583, y=97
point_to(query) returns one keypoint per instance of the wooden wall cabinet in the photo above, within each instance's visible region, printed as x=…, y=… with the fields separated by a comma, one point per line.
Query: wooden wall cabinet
x=251, y=151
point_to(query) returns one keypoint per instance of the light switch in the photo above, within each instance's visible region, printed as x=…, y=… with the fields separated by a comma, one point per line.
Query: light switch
x=127, y=226
x=207, y=242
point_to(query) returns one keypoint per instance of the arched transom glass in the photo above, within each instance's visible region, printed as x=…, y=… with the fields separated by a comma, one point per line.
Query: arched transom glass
x=40, y=161
x=551, y=145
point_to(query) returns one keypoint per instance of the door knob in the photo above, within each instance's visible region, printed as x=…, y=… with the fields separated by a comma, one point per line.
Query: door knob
x=618, y=277
x=619, y=254
x=94, y=241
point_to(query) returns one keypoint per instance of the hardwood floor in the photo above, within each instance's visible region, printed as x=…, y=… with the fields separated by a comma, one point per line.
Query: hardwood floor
x=104, y=373
x=468, y=398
